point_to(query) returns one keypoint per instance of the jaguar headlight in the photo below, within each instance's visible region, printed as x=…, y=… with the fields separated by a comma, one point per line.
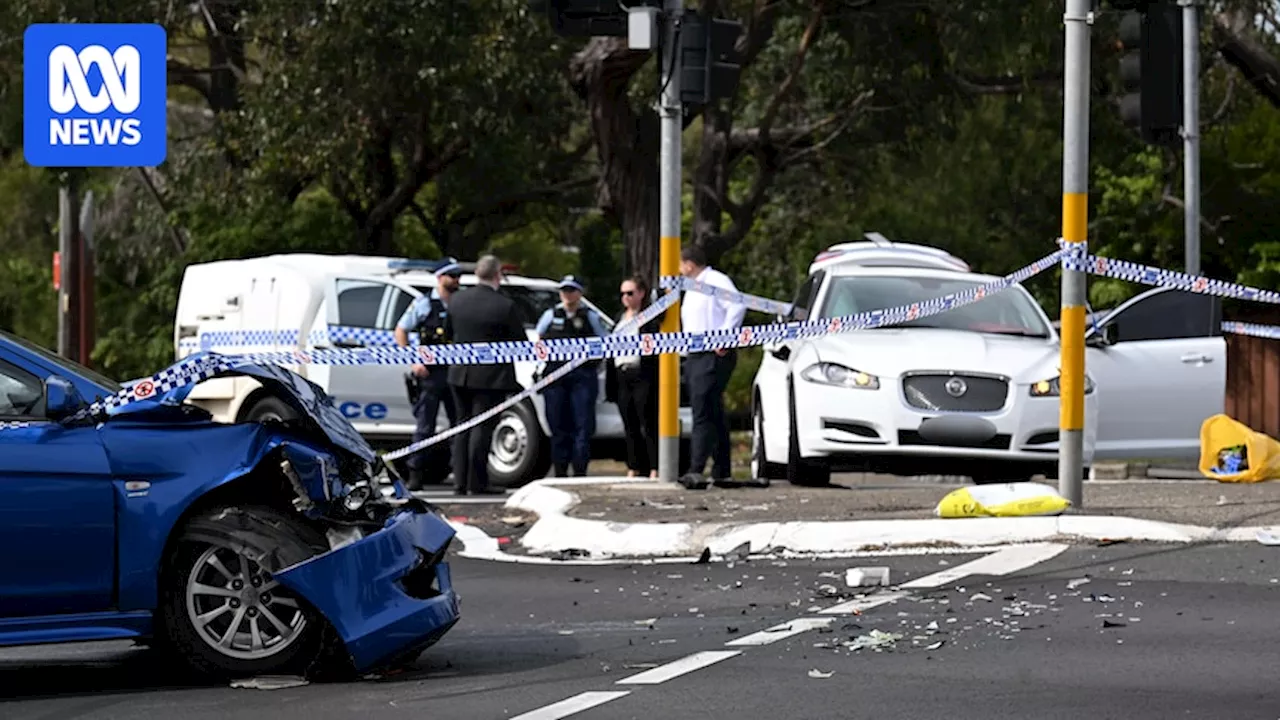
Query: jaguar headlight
x=826, y=373
x=1053, y=387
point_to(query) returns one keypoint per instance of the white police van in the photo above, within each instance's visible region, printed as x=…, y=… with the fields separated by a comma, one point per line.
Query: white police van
x=303, y=301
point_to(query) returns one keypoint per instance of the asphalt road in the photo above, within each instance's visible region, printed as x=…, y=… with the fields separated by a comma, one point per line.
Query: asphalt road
x=1197, y=638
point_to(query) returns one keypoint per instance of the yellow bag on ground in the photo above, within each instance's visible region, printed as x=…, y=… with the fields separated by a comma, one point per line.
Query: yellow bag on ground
x=1016, y=499
x=1231, y=451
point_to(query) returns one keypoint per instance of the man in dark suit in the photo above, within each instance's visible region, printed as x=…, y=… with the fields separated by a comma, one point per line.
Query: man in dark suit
x=481, y=314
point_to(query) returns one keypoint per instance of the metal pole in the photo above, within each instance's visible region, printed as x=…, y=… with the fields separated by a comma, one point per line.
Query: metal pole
x=66, y=255
x=1075, y=220
x=86, y=274
x=1191, y=132
x=672, y=120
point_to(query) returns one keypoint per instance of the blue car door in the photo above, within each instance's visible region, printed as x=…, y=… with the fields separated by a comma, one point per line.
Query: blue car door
x=57, y=507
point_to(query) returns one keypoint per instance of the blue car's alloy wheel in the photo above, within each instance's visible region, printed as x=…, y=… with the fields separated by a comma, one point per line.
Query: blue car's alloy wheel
x=222, y=612
x=238, y=609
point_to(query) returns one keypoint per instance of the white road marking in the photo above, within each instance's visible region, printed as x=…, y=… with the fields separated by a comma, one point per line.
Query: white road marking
x=1004, y=562
x=1009, y=560
x=781, y=632
x=572, y=706
x=852, y=607
x=676, y=668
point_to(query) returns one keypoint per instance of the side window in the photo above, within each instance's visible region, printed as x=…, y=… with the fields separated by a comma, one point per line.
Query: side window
x=21, y=393
x=803, y=302
x=400, y=302
x=1169, y=315
x=359, y=303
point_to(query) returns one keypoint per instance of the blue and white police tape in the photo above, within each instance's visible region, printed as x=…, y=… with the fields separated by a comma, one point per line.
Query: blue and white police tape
x=1074, y=258
x=658, y=307
x=598, y=348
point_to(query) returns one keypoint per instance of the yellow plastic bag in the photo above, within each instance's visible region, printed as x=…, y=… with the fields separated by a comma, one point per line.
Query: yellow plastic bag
x=1224, y=443
x=1018, y=499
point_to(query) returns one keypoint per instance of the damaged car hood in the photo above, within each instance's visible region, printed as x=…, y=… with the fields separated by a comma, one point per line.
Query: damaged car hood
x=305, y=397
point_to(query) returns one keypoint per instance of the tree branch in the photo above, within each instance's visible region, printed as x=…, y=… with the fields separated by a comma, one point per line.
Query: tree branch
x=184, y=75
x=512, y=202
x=1258, y=66
x=1004, y=84
x=423, y=164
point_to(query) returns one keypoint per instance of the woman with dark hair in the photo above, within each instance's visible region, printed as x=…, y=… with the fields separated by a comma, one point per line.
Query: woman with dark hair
x=638, y=386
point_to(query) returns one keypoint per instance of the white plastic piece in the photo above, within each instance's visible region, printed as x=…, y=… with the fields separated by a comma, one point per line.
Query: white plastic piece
x=642, y=28
x=863, y=576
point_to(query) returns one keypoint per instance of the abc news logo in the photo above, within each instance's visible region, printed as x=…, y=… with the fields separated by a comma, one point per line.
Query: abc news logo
x=69, y=90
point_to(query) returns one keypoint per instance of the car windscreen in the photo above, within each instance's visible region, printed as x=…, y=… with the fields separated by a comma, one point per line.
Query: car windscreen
x=75, y=367
x=1010, y=312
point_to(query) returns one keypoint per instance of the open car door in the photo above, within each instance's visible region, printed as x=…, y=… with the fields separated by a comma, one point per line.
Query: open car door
x=1159, y=362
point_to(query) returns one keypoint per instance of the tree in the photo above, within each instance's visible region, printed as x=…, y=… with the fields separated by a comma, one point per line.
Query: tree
x=377, y=101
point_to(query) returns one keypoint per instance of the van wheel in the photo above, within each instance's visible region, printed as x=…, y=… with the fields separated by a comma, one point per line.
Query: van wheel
x=519, y=453
x=270, y=408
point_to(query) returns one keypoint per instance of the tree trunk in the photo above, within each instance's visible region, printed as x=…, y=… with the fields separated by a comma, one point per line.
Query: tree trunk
x=627, y=145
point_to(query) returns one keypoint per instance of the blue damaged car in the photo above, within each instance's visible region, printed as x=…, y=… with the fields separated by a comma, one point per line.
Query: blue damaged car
x=245, y=549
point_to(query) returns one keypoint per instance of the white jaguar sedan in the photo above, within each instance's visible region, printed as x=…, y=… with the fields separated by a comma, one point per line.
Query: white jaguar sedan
x=971, y=391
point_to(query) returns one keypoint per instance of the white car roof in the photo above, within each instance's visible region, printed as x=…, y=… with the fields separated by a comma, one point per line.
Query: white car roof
x=848, y=270
x=878, y=251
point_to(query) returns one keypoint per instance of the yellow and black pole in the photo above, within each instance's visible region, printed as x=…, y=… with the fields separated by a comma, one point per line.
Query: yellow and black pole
x=672, y=119
x=1075, y=220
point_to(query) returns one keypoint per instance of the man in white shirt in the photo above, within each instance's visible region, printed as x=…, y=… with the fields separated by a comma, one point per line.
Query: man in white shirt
x=708, y=372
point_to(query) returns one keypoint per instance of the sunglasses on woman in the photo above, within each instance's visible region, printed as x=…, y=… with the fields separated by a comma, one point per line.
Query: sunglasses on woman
x=627, y=293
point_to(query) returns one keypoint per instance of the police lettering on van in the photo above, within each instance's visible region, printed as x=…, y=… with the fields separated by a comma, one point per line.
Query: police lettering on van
x=353, y=410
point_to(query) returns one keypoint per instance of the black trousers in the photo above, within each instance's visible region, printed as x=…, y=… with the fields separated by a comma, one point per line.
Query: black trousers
x=432, y=462
x=708, y=377
x=638, y=405
x=471, y=447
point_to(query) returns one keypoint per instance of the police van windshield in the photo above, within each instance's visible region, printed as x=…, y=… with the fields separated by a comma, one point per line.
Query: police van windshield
x=532, y=301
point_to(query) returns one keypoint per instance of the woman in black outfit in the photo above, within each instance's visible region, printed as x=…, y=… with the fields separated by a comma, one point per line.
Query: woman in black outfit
x=638, y=386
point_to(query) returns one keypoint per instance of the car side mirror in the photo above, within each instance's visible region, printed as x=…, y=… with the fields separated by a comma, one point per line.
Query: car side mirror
x=1106, y=335
x=61, y=398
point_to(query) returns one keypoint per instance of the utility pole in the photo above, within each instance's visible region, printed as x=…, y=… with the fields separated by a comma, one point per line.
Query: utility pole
x=86, y=273
x=1075, y=221
x=69, y=262
x=1191, y=132
x=671, y=117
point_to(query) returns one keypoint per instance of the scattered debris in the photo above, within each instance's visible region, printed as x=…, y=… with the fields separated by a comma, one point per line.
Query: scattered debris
x=572, y=553
x=270, y=682
x=863, y=576
x=820, y=675
x=1112, y=624
x=704, y=558
x=1073, y=584
x=979, y=596
x=640, y=666
x=514, y=520
x=936, y=645
x=877, y=640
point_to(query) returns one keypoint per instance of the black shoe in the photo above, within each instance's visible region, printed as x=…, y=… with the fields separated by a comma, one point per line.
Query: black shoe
x=694, y=481
x=560, y=471
x=489, y=491
x=415, y=481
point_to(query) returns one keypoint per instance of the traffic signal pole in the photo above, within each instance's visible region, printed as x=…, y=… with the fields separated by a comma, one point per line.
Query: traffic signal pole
x=1075, y=219
x=671, y=117
x=1191, y=132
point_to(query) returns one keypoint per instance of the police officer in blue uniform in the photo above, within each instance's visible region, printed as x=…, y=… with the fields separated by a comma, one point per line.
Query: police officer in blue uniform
x=571, y=400
x=427, y=386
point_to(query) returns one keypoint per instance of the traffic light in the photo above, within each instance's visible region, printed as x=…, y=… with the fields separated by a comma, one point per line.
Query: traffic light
x=1151, y=71
x=588, y=18
x=709, y=59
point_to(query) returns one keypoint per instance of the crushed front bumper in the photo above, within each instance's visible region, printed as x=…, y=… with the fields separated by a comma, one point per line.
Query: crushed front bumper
x=387, y=594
